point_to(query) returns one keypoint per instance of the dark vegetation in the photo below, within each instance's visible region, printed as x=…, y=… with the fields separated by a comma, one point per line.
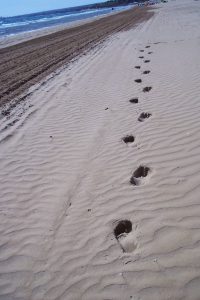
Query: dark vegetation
x=113, y=3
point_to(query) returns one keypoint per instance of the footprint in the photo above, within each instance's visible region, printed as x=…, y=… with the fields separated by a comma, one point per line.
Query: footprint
x=5, y=112
x=144, y=116
x=125, y=236
x=137, y=67
x=150, y=52
x=147, y=89
x=128, y=139
x=146, y=72
x=147, y=46
x=139, y=177
x=138, y=80
x=141, y=56
x=133, y=100
x=141, y=50
x=146, y=61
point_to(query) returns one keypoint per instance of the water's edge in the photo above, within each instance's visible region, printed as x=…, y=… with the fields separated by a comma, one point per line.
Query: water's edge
x=10, y=26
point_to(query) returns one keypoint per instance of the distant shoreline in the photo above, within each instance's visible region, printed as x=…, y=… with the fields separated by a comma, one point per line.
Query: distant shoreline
x=13, y=26
x=27, y=63
x=7, y=41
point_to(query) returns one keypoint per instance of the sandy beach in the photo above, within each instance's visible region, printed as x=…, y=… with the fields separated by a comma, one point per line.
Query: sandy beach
x=100, y=164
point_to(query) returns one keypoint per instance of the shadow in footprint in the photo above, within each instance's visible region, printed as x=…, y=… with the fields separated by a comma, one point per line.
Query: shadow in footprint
x=141, y=50
x=5, y=113
x=147, y=89
x=144, y=116
x=141, y=56
x=133, y=100
x=124, y=236
x=138, y=80
x=137, y=67
x=146, y=72
x=147, y=46
x=146, y=61
x=150, y=52
x=128, y=139
x=138, y=176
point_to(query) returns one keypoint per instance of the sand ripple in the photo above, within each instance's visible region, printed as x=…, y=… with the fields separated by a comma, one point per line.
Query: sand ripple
x=65, y=172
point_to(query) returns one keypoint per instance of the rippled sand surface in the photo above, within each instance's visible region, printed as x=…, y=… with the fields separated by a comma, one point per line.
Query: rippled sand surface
x=99, y=196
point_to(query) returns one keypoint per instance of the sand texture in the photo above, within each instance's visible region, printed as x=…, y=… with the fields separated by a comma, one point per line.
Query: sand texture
x=99, y=196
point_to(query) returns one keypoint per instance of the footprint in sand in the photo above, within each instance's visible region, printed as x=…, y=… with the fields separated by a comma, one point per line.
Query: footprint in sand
x=144, y=116
x=150, y=52
x=138, y=80
x=146, y=72
x=125, y=236
x=147, y=46
x=141, y=56
x=147, y=89
x=141, y=50
x=133, y=100
x=146, y=61
x=5, y=113
x=140, y=176
x=128, y=139
x=137, y=67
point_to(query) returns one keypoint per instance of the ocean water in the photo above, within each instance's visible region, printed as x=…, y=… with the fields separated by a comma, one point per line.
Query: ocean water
x=30, y=22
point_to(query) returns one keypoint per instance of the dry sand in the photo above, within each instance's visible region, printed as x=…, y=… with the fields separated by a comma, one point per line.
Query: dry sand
x=65, y=172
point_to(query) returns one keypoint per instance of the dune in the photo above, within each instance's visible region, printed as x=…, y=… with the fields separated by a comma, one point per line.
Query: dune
x=99, y=174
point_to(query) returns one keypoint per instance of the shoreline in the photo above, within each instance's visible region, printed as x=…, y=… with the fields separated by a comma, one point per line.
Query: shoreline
x=27, y=63
x=8, y=41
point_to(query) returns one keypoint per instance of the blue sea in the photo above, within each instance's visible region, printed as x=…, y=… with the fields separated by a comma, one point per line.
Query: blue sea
x=31, y=22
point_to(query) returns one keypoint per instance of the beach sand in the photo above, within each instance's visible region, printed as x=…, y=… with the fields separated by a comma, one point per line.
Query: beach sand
x=99, y=196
